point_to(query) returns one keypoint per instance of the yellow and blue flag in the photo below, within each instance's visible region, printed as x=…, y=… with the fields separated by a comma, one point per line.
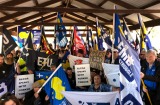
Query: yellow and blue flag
x=45, y=74
x=146, y=43
x=99, y=36
x=56, y=85
x=61, y=32
x=129, y=69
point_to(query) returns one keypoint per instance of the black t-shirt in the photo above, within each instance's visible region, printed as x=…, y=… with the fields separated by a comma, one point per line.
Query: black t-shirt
x=5, y=71
x=72, y=81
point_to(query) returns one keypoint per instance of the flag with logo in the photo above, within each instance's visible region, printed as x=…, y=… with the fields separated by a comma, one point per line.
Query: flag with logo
x=8, y=42
x=145, y=39
x=112, y=73
x=29, y=54
x=61, y=32
x=129, y=69
x=44, y=60
x=43, y=74
x=23, y=35
x=73, y=60
x=127, y=32
x=92, y=98
x=56, y=85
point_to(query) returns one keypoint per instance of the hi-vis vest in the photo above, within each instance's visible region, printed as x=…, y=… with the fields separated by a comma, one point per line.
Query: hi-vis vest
x=22, y=63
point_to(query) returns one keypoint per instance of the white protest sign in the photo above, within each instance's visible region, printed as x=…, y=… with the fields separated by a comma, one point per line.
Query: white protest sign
x=23, y=84
x=112, y=73
x=82, y=73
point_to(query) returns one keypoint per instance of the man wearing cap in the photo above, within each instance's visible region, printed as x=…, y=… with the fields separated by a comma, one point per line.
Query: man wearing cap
x=34, y=98
x=115, y=56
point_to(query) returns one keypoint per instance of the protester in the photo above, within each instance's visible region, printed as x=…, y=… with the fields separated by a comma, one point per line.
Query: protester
x=108, y=57
x=151, y=76
x=142, y=57
x=9, y=59
x=98, y=86
x=71, y=78
x=18, y=53
x=93, y=73
x=115, y=56
x=53, y=66
x=5, y=69
x=21, y=68
x=34, y=98
x=9, y=99
x=80, y=53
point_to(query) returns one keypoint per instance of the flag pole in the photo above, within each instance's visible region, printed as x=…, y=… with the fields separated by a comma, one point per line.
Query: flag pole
x=113, y=36
x=146, y=92
x=49, y=78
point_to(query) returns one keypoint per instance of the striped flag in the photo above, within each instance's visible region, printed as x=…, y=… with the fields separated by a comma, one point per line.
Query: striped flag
x=146, y=43
x=129, y=70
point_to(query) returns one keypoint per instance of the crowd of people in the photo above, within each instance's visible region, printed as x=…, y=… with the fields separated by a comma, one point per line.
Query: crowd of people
x=150, y=73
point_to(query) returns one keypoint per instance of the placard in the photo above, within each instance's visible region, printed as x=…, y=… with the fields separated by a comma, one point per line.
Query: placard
x=83, y=77
x=23, y=84
x=96, y=58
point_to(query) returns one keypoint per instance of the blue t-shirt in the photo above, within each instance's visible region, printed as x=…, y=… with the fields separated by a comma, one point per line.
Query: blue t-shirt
x=151, y=72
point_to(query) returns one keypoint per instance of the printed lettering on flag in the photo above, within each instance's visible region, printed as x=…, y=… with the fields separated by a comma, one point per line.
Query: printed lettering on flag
x=129, y=70
x=92, y=98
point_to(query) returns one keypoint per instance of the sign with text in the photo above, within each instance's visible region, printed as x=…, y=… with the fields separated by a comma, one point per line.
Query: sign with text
x=23, y=84
x=83, y=75
x=23, y=35
x=44, y=60
x=96, y=59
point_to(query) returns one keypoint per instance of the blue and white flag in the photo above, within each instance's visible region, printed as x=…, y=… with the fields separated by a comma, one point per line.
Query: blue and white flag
x=42, y=74
x=73, y=60
x=112, y=73
x=92, y=98
x=129, y=70
x=61, y=35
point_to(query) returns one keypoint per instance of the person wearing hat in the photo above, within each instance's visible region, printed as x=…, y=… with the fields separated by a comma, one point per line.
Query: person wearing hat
x=34, y=98
x=115, y=56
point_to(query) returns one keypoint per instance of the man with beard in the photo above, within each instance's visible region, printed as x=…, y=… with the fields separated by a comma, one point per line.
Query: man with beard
x=9, y=59
x=4, y=68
